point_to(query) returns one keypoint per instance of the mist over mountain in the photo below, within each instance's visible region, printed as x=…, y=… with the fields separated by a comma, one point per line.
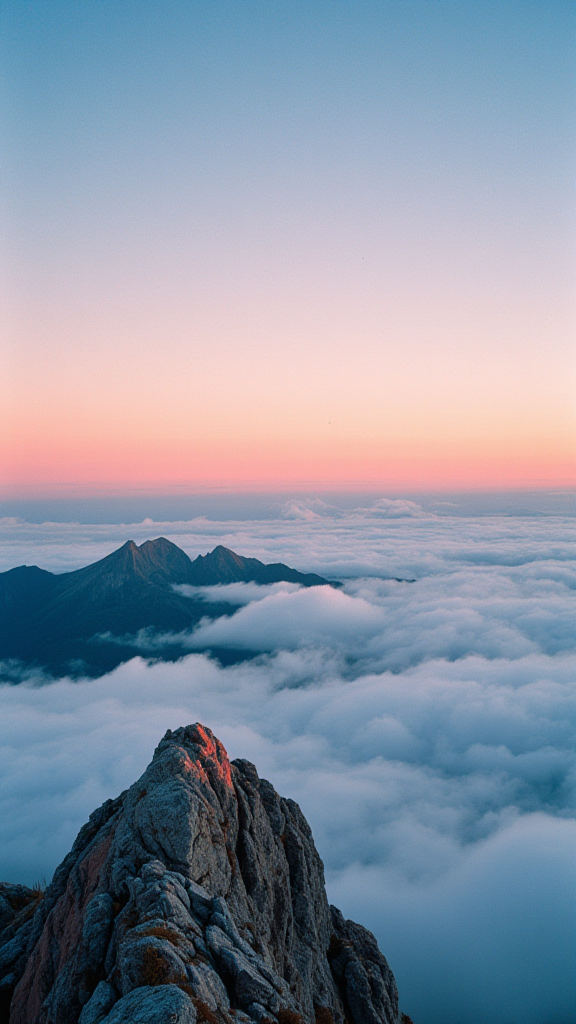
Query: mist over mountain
x=82, y=622
x=426, y=730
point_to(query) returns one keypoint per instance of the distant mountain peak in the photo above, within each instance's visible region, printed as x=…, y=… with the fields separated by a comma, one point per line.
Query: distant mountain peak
x=222, y=558
x=225, y=566
x=128, y=550
x=56, y=619
x=160, y=545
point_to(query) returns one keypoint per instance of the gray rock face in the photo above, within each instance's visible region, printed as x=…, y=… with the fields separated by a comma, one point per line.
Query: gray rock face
x=163, y=1004
x=99, y=1005
x=197, y=895
x=18, y=905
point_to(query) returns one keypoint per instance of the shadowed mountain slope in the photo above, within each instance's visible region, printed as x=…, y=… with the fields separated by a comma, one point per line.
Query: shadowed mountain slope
x=225, y=566
x=195, y=896
x=64, y=622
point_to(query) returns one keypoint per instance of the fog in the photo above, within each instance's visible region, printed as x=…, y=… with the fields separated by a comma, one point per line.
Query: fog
x=427, y=729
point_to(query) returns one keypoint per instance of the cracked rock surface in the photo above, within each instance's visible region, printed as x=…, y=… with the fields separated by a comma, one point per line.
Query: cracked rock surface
x=197, y=895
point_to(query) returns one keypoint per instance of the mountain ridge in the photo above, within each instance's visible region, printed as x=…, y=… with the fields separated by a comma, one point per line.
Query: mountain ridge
x=61, y=621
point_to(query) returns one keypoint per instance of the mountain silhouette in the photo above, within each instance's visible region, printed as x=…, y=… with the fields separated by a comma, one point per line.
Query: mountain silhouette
x=86, y=622
x=225, y=566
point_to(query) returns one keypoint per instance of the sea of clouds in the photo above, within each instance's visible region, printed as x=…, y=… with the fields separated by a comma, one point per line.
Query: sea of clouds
x=426, y=728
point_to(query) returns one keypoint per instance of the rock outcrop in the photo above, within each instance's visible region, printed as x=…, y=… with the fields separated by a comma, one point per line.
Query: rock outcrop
x=197, y=895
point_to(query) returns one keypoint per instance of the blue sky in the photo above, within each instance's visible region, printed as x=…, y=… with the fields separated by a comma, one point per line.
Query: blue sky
x=287, y=231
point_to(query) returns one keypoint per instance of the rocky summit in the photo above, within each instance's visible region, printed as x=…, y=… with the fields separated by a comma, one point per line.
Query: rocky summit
x=197, y=895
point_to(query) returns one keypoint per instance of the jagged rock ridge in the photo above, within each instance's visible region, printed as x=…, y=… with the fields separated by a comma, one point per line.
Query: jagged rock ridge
x=197, y=895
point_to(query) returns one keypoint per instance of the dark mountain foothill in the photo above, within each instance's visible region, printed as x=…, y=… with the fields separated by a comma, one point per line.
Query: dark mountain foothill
x=196, y=896
x=86, y=622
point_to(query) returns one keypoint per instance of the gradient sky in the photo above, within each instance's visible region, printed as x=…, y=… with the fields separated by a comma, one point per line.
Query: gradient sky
x=263, y=243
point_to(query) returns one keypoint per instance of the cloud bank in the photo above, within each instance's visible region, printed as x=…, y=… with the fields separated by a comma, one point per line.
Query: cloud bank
x=427, y=730
x=336, y=543
x=385, y=624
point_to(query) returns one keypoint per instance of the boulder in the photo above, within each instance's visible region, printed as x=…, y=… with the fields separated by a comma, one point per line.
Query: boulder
x=161, y=1004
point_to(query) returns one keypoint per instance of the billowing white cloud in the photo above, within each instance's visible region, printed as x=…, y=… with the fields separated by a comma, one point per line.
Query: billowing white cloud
x=427, y=729
x=466, y=945
x=338, y=544
x=236, y=593
x=310, y=616
x=422, y=787
x=307, y=509
x=384, y=624
x=397, y=508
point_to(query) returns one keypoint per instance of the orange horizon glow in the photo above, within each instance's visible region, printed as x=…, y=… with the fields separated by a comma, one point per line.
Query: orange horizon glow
x=212, y=283
x=90, y=467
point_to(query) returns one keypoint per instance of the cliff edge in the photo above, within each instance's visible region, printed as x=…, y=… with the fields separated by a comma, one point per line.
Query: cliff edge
x=197, y=895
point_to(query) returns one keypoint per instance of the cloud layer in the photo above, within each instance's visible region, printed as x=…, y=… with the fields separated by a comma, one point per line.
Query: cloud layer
x=333, y=542
x=427, y=729
x=382, y=624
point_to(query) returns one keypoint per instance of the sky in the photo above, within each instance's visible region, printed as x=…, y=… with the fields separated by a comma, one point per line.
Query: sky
x=297, y=277
x=427, y=729
x=267, y=244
